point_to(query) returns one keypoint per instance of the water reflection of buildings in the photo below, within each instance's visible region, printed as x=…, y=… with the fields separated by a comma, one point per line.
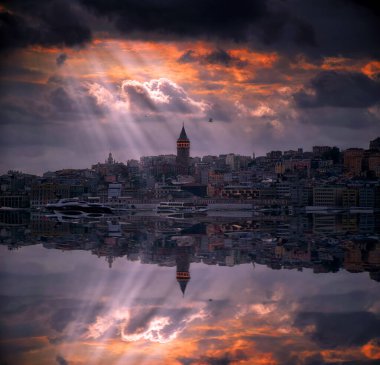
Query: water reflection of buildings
x=183, y=255
x=323, y=243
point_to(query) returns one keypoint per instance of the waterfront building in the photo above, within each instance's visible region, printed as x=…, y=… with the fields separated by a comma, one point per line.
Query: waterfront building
x=353, y=160
x=48, y=193
x=350, y=197
x=369, y=196
x=15, y=201
x=327, y=196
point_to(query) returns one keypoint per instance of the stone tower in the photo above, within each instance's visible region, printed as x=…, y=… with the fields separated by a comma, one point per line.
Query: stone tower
x=183, y=153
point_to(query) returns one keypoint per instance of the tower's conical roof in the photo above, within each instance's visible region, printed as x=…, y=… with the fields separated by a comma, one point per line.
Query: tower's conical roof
x=183, y=134
x=183, y=284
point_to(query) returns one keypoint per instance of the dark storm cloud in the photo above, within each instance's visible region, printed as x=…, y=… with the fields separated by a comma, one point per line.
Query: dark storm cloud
x=335, y=120
x=189, y=56
x=46, y=23
x=22, y=103
x=188, y=18
x=216, y=57
x=339, y=89
x=61, y=360
x=284, y=352
x=287, y=352
x=61, y=101
x=32, y=114
x=221, y=111
x=61, y=59
x=316, y=359
x=221, y=57
x=38, y=103
x=225, y=359
x=357, y=362
x=13, y=70
x=33, y=316
x=340, y=329
x=62, y=317
x=213, y=86
x=317, y=28
x=339, y=302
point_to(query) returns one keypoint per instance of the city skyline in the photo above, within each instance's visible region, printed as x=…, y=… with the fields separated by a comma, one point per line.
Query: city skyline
x=81, y=79
x=111, y=159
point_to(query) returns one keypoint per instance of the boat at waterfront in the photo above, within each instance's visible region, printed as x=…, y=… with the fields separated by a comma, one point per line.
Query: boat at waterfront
x=181, y=207
x=75, y=204
x=74, y=216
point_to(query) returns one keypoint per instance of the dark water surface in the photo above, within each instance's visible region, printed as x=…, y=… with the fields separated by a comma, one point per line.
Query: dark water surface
x=227, y=289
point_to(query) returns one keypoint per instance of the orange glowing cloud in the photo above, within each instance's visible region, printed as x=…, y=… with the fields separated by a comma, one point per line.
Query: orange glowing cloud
x=371, y=68
x=342, y=355
x=341, y=64
x=256, y=59
x=109, y=61
x=372, y=350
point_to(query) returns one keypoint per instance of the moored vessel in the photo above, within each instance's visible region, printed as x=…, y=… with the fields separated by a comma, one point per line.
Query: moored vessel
x=180, y=207
x=74, y=204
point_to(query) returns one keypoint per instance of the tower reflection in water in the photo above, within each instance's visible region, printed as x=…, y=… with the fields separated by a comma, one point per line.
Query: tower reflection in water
x=190, y=291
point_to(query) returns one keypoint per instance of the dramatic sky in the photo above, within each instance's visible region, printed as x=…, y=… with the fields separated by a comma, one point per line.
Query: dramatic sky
x=81, y=78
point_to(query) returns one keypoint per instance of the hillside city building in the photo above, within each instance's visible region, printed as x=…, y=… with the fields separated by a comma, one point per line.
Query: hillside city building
x=290, y=179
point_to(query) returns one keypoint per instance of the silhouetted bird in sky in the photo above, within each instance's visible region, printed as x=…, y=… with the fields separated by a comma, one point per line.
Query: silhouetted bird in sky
x=210, y=120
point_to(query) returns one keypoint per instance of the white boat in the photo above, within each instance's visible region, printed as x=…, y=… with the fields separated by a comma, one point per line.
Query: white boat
x=75, y=204
x=180, y=207
x=74, y=215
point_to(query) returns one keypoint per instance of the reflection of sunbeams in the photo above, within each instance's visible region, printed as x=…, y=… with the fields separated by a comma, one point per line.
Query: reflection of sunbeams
x=152, y=326
x=116, y=304
x=112, y=308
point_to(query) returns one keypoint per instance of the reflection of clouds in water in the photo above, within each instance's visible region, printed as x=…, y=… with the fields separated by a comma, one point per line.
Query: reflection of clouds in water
x=152, y=324
x=153, y=332
x=334, y=330
x=260, y=309
x=228, y=315
x=104, y=323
